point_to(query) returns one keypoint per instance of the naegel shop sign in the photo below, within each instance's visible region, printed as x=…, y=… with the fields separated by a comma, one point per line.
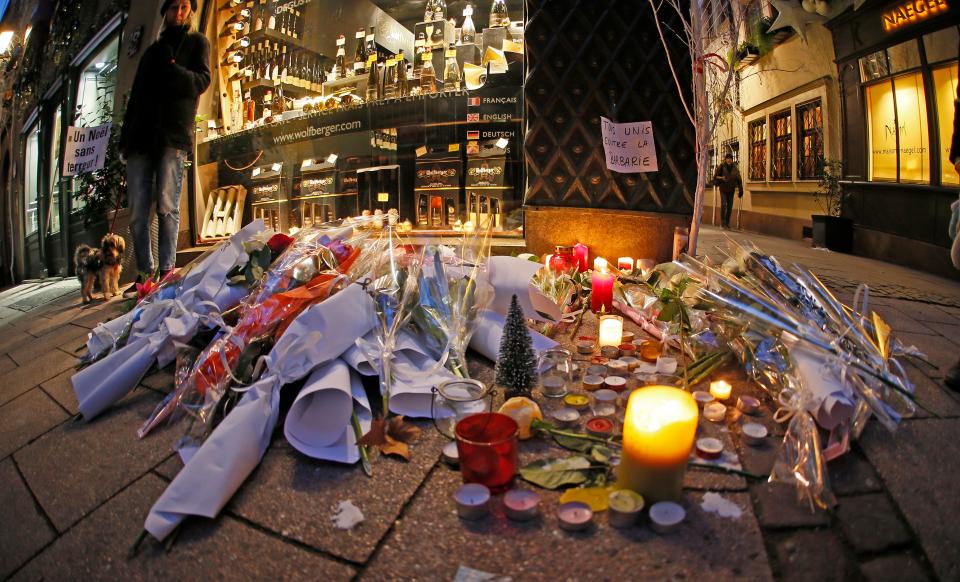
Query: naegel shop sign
x=911, y=12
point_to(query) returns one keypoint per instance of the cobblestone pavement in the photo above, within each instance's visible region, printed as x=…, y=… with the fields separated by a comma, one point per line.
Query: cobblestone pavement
x=73, y=495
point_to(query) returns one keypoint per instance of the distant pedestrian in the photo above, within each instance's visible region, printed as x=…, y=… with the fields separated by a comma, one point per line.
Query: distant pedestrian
x=727, y=179
x=158, y=130
x=952, y=378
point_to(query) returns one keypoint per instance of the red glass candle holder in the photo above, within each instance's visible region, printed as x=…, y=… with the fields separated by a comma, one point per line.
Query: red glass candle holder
x=487, y=445
x=564, y=261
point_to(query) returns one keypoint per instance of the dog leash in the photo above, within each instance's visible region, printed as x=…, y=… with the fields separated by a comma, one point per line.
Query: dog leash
x=116, y=210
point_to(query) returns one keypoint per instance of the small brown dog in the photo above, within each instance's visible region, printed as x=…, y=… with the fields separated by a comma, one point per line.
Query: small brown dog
x=103, y=264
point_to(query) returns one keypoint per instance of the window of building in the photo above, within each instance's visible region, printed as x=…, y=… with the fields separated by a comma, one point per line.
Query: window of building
x=897, y=130
x=757, y=131
x=31, y=180
x=95, y=92
x=942, y=45
x=945, y=89
x=52, y=223
x=781, y=154
x=732, y=147
x=904, y=56
x=874, y=66
x=809, y=138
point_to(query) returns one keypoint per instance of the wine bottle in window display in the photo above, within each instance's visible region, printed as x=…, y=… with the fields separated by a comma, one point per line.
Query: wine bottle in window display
x=371, y=43
x=275, y=62
x=436, y=37
x=499, y=15
x=419, y=46
x=451, y=71
x=284, y=64
x=428, y=11
x=295, y=30
x=360, y=56
x=390, y=79
x=373, y=79
x=339, y=70
x=271, y=16
x=428, y=76
x=403, y=87
x=258, y=18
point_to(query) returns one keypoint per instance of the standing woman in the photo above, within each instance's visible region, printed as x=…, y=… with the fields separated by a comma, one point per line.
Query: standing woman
x=158, y=130
x=952, y=377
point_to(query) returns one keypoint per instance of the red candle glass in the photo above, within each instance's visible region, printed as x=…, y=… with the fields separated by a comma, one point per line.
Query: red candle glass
x=487, y=445
x=601, y=292
x=581, y=251
x=563, y=261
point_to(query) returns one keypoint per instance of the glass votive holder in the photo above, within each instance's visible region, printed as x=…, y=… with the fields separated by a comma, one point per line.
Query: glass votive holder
x=556, y=372
x=604, y=402
x=487, y=446
x=456, y=399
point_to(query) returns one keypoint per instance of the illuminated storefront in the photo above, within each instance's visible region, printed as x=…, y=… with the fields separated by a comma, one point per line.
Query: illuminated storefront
x=898, y=67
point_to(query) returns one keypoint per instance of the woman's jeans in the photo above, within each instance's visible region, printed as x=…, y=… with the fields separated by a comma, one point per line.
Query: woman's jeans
x=162, y=174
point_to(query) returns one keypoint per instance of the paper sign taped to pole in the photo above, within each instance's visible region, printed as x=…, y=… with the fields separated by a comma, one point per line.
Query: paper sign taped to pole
x=629, y=147
x=86, y=149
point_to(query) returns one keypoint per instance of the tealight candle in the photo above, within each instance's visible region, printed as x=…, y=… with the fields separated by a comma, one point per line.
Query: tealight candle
x=601, y=287
x=605, y=402
x=599, y=360
x=715, y=412
x=627, y=337
x=565, y=417
x=581, y=251
x=617, y=368
x=473, y=501
x=610, y=352
x=521, y=504
x=709, y=448
x=553, y=386
x=650, y=351
x=748, y=404
x=450, y=454
x=720, y=389
x=659, y=428
x=623, y=507
x=702, y=398
x=627, y=349
x=625, y=264
x=578, y=402
x=631, y=362
x=574, y=515
x=754, y=433
x=585, y=347
x=666, y=516
x=591, y=382
x=666, y=365
x=596, y=370
x=615, y=383
x=611, y=331
x=600, y=427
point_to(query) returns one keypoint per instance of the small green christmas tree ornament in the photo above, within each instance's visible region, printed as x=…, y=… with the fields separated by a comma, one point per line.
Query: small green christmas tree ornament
x=517, y=363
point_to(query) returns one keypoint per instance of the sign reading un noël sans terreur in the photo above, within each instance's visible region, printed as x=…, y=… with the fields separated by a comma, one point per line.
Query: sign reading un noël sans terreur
x=86, y=149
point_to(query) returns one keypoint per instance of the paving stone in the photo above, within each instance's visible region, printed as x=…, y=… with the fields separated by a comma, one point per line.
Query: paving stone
x=60, y=389
x=169, y=468
x=895, y=568
x=812, y=555
x=900, y=322
x=27, y=417
x=23, y=531
x=949, y=331
x=941, y=352
x=6, y=363
x=933, y=398
x=101, y=457
x=225, y=548
x=161, y=380
x=918, y=465
x=714, y=480
x=925, y=312
x=778, y=507
x=852, y=474
x=39, y=370
x=12, y=338
x=30, y=351
x=295, y=495
x=430, y=542
x=91, y=318
x=870, y=523
x=54, y=320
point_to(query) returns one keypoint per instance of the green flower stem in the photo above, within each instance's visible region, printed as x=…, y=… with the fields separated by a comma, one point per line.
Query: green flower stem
x=364, y=454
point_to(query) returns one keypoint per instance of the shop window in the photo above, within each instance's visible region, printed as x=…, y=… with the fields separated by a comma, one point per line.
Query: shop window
x=897, y=130
x=874, y=66
x=758, y=149
x=95, y=92
x=31, y=183
x=781, y=155
x=904, y=56
x=942, y=45
x=945, y=88
x=809, y=138
x=53, y=205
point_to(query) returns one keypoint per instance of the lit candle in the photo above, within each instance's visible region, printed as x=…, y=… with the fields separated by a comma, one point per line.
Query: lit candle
x=611, y=331
x=601, y=287
x=714, y=412
x=658, y=433
x=581, y=251
x=720, y=389
x=625, y=264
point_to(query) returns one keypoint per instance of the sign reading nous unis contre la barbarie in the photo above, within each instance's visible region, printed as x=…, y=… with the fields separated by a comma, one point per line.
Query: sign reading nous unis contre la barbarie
x=629, y=147
x=86, y=149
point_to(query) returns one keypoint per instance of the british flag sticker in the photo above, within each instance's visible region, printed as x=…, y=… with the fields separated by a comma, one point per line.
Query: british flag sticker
x=473, y=117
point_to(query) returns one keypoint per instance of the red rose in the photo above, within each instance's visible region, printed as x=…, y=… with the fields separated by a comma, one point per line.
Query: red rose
x=278, y=243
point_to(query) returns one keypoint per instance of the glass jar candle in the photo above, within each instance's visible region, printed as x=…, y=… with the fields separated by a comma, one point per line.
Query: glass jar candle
x=456, y=399
x=556, y=372
x=564, y=261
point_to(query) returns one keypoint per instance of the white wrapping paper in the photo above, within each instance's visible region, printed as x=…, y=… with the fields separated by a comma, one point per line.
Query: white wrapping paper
x=511, y=276
x=486, y=340
x=316, y=337
x=831, y=401
x=161, y=325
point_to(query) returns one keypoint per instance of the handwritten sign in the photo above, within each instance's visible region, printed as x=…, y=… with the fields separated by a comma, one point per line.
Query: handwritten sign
x=629, y=147
x=86, y=149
